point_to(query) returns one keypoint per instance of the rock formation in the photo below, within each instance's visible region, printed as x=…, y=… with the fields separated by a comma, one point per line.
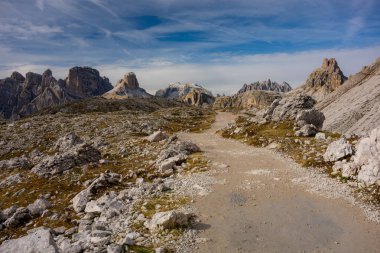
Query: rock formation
x=250, y=99
x=267, y=85
x=355, y=106
x=193, y=94
x=21, y=96
x=128, y=87
x=324, y=80
x=255, y=95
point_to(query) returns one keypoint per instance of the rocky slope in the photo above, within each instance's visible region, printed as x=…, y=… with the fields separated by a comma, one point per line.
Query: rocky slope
x=324, y=80
x=192, y=94
x=21, y=96
x=128, y=87
x=255, y=95
x=99, y=175
x=355, y=106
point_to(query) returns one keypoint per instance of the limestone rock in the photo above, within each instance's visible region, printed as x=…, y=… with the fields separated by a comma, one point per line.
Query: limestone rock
x=288, y=107
x=17, y=162
x=128, y=87
x=38, y=207
x=76, y=156
x=324, y=80
x=20, y=217
x=267, y=85
x=367, y=157
x=80, y=200
x=85, y=82
x=338, y=150
x=39, y=241
x=67, y=142
x=310, y=116
x=168, y=220
x=157, y=136
x=307, y=131
x=192, y=94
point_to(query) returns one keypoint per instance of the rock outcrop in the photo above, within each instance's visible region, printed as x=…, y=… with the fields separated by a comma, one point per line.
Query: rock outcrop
x=247, y=100
x=21, y=96
x=128, y=87
x=354, y=108
x=192, y=94
x=257, y=95
x=267, y=85
x=324, y=80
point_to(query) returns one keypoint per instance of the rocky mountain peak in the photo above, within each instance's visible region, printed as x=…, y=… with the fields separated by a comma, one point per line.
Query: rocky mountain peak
x=17, y=77
x=328, y=77
x=85, y=81
x=47, y=73
x=267, y=85
x=130, y=81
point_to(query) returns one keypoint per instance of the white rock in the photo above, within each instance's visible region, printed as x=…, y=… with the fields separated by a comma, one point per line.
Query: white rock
x=168, y=220
x=93, y=207
x=157, y=136
x=338, y=150
x=39, y=241
x=39, y=206
x=80, y=200
x=320, y=136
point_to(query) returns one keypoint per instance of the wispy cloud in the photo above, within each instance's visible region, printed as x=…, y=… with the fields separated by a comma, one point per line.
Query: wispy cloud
x=40, y=4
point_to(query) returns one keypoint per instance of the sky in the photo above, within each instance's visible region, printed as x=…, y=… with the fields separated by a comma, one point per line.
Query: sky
x=219, y=44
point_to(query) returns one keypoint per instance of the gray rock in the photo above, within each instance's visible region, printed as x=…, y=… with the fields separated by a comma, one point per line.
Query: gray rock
x=20, y=217
x=39, y=241
x=338, y=150
x=157, y=136
x=320, y=136
x=307, y=131
x=168, y=220
x=67, y=142
x=131, y=237
x=17, y=162
x=38, y=207
x=114, y=248
x=77, y=156
x=80, y=200
x=12, y=179
x=310, y=116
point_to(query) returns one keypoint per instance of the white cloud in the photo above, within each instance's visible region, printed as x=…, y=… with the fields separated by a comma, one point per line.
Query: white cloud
x=226, y=76
x=40, y=4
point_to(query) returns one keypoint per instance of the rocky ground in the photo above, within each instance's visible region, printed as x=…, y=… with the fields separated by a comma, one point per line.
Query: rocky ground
x=100, y=176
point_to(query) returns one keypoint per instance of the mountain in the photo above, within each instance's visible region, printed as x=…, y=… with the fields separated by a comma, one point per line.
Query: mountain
x=255, y=95
x=193, y=94
x=21, y=96
x=355, y=106
x=128, y=87
x=267, y=85
x=324, y=80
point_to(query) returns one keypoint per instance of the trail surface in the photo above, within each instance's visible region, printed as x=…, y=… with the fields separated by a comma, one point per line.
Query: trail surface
x=259, y=209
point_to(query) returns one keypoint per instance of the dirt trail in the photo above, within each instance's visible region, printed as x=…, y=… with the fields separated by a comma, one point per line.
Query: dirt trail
x=259, y=209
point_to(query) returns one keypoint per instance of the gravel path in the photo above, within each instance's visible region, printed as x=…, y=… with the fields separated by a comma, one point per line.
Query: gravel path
x=262, y=207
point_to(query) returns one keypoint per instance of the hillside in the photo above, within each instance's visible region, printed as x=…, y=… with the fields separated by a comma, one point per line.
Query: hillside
x=355, y=106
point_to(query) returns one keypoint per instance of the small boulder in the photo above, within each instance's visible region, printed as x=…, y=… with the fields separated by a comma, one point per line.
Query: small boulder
x=320, y=136
x=38, y=207
x=338, y=150
x=157, y=136
x=80, y=200
x=307, y=131
x=168, y=220
x=20, y=217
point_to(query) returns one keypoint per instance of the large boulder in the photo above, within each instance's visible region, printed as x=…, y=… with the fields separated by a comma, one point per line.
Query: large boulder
x=288, y=107
x=367, y=158
x=310, y=116
x=39, y=241
x=338, y=150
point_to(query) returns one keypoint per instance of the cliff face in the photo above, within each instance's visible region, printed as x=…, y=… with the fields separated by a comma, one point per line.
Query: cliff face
x=21, y=96
x=193, y=94
x=355, y=106
x=255, y=95
x=128, y=87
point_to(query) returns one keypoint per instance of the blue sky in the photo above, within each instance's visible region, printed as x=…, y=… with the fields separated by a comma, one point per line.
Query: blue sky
x=217, y=43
